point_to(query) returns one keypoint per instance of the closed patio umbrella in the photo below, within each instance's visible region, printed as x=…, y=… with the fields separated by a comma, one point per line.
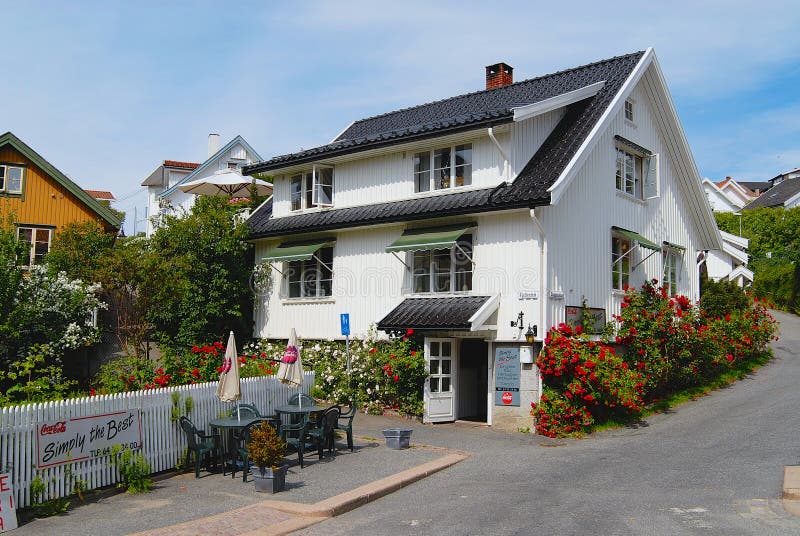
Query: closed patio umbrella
x=226, y=182
x=290, y=371
x=228, y=388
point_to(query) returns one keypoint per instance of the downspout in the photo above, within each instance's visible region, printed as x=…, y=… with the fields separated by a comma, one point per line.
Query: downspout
x=492, y=137
x=542, y=282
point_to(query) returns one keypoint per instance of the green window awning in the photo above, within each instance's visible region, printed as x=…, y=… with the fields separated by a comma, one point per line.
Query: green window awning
x=296, y=252
x=673, y=246
x=430, y=238
x=643, y=242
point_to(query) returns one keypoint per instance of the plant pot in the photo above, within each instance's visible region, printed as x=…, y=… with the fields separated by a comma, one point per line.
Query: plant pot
x=397, y=438
x=270, y=480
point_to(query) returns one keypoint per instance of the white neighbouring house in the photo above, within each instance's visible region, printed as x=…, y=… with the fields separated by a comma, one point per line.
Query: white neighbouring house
x=474, y=218
x=727, y=195
x=163, y=184
x=730, y=262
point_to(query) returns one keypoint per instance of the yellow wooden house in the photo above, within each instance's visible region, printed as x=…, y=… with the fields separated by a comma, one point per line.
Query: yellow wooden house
x=41, y=199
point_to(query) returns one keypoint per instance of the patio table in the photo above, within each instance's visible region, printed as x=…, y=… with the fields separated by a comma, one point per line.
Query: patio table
x=231, y=425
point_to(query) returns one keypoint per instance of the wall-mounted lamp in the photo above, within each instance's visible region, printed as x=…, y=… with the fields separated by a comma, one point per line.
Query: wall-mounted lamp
x=530, y=335
x=518, y=323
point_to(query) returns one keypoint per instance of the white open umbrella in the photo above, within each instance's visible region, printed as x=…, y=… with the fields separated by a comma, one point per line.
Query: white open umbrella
x=228, y=388
x=226, y=182
x=290, y=370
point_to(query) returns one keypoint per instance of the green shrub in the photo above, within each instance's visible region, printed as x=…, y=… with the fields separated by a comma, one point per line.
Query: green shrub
x=720, y=297
x=134, y=470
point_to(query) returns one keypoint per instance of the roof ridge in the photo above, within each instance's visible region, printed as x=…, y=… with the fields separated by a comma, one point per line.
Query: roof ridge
x=494, y=89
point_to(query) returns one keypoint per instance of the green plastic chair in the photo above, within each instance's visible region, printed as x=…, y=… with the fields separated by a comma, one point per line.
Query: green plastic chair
x=247, y=411
x=294, y=400
x=296, y=435
x=345, y=423
x=241, y=451
x=201, y=445
x=322, y=435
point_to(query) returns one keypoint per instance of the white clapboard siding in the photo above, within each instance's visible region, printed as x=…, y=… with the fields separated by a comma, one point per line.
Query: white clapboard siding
x=163, y=443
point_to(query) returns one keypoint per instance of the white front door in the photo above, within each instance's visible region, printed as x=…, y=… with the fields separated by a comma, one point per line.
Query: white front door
x=440, y=387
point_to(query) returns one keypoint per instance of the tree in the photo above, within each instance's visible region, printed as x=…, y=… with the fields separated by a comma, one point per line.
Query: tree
x=211, y=268
x=79, y=249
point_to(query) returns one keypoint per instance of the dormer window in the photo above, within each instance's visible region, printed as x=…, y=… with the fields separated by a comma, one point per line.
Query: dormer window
x=312, y=189
x=448, y=167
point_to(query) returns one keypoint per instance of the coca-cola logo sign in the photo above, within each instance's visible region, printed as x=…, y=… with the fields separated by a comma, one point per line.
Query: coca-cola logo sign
x=57, y=428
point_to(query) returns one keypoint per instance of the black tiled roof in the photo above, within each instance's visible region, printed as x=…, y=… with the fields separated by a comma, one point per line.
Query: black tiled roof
x=445, y=313
x=464, y=112
x=530, y=187
x=753, y=186
x=777, y=195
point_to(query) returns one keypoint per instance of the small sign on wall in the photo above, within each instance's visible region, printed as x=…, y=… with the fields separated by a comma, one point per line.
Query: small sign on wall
x=87, y=437
x=8, y=511
x=506, y=376
x=597, y=317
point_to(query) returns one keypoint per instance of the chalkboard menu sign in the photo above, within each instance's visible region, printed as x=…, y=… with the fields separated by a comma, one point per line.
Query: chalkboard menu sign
x=506, y=376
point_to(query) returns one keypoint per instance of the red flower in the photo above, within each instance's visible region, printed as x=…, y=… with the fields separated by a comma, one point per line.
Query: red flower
x=409, y=332
x=413, y=352
x=373, y=350
x=396, y=378
x=92, y=392
x=195, y=373
x=729, y=357
x=588, y=398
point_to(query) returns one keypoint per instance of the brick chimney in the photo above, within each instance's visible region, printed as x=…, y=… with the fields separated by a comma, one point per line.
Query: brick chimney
x=498, y=75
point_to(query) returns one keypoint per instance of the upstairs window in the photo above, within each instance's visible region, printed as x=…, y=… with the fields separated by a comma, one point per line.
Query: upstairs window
x=311, y=278
x=636, y=171
x=444, y=270
x=38, y=241
x=312, y=189
x=10, y=179
x=448, y=167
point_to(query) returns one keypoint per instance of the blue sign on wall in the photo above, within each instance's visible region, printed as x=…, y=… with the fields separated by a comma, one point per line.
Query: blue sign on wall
x=506, y=376
x=344, y=318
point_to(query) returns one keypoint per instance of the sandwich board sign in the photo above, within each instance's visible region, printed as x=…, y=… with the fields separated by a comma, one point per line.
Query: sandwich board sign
x=8, y=512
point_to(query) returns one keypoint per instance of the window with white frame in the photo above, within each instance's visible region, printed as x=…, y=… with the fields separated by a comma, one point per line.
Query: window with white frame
x=636, y=173
x=11, y=179
x=444, y=270
x=448, y=167
x=629, y=110
x=669, y=281
x=38, y=242
x=312, y=189
x=620, y=262
x=312, y=278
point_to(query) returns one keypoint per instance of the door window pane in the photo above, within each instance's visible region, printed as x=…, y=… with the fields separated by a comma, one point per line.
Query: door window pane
x=434, y=366
x=446, y=351
x=446, y=366
x=434, y=385
x=435, y=348
x=445, y=385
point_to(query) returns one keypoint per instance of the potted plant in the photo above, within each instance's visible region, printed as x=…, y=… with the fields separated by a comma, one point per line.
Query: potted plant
x=266, y=449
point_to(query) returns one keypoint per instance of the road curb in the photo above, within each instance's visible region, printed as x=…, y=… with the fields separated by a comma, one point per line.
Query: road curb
x=344, y=502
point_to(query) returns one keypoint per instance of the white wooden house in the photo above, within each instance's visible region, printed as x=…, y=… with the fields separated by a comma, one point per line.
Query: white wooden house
x=163, y=184
x=483, y=217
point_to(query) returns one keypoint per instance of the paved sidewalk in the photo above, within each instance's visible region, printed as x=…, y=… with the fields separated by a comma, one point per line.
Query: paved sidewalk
x=217, y=504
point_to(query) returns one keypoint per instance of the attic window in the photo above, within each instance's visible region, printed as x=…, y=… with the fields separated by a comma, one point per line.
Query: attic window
x=10, y=179
x=629, y=110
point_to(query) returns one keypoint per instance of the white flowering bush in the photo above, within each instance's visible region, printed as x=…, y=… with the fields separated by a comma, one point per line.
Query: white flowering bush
x=384, y=374
x=49, y=316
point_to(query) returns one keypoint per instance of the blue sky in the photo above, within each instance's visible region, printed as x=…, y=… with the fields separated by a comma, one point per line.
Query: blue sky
x=107, y=90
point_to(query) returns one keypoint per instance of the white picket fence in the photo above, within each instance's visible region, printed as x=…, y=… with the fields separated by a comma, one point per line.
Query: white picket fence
x=163, y=441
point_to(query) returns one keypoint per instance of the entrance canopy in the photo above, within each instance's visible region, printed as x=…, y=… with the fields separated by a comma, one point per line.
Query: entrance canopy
x=430, y=238
x=448, y=313
x=304, y=251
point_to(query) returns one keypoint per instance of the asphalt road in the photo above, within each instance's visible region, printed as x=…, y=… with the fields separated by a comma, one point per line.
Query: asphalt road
x=712, y=467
